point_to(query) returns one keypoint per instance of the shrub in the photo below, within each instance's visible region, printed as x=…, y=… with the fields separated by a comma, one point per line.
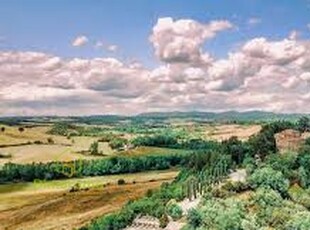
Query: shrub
x=237, y=186
x=117, y=143
x=75, y=188
x=194, y=218
x=174, y=211
x=38, y=142
x=222, y=214
x=50, y=140
x=121, y=182
x=219, y=192
x=94, y=148
x=269, y=178
x=163, y=221
x=265, y=198
x=299, y=221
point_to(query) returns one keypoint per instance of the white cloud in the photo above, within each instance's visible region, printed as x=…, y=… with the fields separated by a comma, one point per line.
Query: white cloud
x=181, y=40
x=254, y=21
x=80, y=41
x=112, y=48
x=294, y=35
x=262, y=74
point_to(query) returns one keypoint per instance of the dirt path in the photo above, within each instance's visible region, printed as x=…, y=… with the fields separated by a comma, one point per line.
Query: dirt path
x=64, y=210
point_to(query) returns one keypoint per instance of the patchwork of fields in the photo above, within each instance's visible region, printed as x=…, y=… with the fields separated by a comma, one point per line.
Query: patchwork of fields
x=50, y=205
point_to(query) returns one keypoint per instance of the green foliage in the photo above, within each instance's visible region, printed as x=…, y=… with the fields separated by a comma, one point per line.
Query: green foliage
x=237, y=186
x=300, y=196
x=299, y=221
x=106, y=166
x=285, y=163
x=94, y=148
x=264, y=142
x=265, y=198
x=303, y=124
x=174, y=211
x=194, y=218
x=236, y=149
x=153, y=206
x=269, y=178
x=117, y=143
x=61, y=128
x=222, y=214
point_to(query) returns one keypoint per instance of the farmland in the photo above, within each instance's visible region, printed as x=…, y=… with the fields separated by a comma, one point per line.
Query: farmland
x=72, y=174
x=49, y=205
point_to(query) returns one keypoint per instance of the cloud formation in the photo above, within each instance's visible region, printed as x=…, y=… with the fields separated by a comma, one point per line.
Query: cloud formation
x=80, y=41
x=263, y=74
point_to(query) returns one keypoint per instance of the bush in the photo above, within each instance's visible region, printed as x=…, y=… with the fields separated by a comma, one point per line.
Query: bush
x=121, y=182
x=117, y=143
x=38, y=142
x=269, y=178
x=50, y=140
x=265, y=198
x=237, y=186
x=94, y=148
x=222, y=214
x=219, y=192
x=174, y=211
x=299, y=221
x=163, y=221
x=194, y=218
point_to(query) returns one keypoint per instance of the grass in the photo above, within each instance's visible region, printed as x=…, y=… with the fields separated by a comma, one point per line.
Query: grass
x=87, y=182
x=49, y=205
x=63, y=149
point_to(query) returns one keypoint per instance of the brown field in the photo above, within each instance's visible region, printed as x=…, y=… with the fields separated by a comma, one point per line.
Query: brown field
x=224, y=132
x=25, y=207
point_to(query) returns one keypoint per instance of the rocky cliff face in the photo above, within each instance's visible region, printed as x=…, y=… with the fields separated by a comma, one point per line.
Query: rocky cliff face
x=290, y=140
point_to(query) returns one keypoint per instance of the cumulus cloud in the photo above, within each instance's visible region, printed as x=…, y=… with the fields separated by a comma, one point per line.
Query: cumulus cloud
x=262, y=74
x=181, y=40
x=80, y=41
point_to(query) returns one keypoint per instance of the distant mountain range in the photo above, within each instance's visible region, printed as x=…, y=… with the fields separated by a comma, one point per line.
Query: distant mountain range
x=228, y=116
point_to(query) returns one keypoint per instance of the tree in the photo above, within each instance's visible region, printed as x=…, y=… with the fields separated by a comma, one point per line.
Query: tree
x=303, y=124
x=21, y=129
x=269, y=178
x=3, y=129
x=235, y=148
x=94, y=148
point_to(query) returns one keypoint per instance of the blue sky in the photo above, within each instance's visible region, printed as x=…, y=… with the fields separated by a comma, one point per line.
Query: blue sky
x=68, y=57
x=50, y=25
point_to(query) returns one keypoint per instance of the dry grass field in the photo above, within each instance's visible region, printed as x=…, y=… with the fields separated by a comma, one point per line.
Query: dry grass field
x=50, y=206
x=224, y=132
x=62, y=149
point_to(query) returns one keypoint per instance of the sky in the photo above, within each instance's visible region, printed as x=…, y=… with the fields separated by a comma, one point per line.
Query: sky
x=79, y=57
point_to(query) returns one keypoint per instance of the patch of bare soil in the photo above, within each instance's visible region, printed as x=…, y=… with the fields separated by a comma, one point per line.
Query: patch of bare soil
x=59, y=210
